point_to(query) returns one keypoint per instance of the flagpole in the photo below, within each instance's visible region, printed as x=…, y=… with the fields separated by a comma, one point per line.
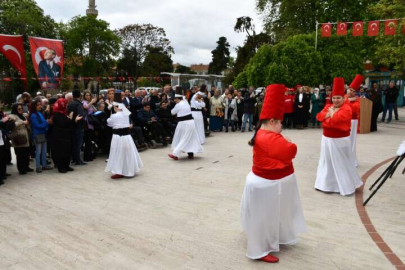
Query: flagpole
x=316, y=36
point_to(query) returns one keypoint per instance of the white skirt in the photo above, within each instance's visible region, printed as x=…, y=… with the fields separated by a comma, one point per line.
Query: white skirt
x=271, y=214
x=353, y=139
x=199, y=125
x=186, y=139
x=336, y=169
x=124, y=158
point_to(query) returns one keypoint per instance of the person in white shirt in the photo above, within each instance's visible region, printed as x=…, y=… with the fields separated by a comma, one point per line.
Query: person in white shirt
x=185, y=138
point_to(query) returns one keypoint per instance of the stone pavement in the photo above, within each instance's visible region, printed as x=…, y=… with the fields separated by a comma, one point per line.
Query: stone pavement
x=185, y=214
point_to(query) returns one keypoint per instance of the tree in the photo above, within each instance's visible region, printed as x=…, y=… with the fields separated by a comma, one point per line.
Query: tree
x=245, y=24
x=156, y=61
x=184, y=70
x=220, y=57
x=90, y=41
x=284, y=18
x=136, y=39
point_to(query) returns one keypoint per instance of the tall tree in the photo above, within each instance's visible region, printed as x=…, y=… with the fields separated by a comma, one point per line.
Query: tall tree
x=184, y=70
x=90, y=40
x=156, y=61
x=137, y=38
x=220, y=57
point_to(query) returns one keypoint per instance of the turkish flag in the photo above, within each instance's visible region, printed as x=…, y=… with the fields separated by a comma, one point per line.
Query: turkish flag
x=373, y=28
x=358, y=29
x=391, y=27
x=47, y=57
x=326, y=29
x=12, y=47
x=342, y=29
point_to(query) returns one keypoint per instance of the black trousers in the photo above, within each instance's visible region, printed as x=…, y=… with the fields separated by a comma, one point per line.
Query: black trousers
x=157, y=130
x=88, y=138
x=288, y=120
x=3, y=162
x=374, y=117
x=23, y=158
x=63, y=163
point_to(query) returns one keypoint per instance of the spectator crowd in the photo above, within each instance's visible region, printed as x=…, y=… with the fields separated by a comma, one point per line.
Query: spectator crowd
x=57, y=131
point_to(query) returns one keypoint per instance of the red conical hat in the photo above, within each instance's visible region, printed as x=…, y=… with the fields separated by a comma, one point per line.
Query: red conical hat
x=273, y=106
x=358, y=80
x=338, y=87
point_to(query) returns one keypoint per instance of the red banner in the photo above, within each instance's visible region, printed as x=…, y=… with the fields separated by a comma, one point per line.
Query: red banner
x=326, y=29
x=373, y=28
x=341, y=29
x=358, y=29
x=47, y=57
x=390, y=27
x=12, y=47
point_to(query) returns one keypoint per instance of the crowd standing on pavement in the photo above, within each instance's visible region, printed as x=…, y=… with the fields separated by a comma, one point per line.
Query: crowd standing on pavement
x=54, y=130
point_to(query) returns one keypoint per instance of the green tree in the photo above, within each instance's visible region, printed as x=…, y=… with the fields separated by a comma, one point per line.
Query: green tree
x=136, y=39
x=184, y=70
x=220, y=57
x=92, y=43
x=156, y=61
x=284, y=18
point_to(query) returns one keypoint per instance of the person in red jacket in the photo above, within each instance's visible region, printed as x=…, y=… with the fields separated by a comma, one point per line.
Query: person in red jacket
x=354, y=102
x=328, y=96
x=271, y=212
x=336, y=169
x=288, y=109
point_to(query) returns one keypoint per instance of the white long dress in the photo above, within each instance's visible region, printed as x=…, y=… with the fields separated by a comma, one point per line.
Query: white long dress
x=185, y=138
x=124, y=158
x=353, y=139
x=336, y=168
x=271, y=214
x=198, y=117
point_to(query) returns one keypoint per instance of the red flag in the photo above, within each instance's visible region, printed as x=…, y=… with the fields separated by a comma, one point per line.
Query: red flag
x=12, y=48
x=373, y=28
x=326, y=29
x=342, y=29
x=47, y=57
x=390, y=27
x=358, y=29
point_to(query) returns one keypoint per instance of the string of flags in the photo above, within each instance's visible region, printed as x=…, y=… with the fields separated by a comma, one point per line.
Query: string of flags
x=99, y=79
x=373, y=28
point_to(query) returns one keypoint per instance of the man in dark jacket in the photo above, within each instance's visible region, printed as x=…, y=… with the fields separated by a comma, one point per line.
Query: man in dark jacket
x=391, y=95
x=166, y=118
x=76, y=107
x=249, y=109
x=147, y=118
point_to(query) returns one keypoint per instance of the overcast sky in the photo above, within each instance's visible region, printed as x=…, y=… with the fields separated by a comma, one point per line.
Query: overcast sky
x=193, y=26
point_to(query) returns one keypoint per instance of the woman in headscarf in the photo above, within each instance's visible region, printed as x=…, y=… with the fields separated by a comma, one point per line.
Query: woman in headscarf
x=317, y=106
x=20, y=138
x=62, y=135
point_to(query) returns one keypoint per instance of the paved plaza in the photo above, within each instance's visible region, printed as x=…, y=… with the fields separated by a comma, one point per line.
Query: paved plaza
x=185, y=214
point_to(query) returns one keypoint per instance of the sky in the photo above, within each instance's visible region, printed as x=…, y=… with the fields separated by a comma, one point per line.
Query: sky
x=192, y=26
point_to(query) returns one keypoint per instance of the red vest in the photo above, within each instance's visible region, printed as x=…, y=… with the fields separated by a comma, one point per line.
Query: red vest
x=339, y=125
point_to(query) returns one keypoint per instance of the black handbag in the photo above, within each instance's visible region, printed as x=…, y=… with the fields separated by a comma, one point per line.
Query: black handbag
x=40, y=138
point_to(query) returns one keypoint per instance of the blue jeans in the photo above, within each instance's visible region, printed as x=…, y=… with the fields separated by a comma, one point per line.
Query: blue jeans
x=77, y=145
x=389, y=107
x=247, y=116
x=40, y=155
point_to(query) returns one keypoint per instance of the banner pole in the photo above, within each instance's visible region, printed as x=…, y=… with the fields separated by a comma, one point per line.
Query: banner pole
x=316, y=36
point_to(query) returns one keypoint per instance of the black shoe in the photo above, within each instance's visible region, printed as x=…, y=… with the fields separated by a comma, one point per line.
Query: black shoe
x=29, y=170
x=47, y=168
x=39, y=170
x=81, y=163
x=10, y=163
x=70, y=169
x=22, y=173
x=1, y=182
x=7, y=175
x=226, y=130
x=62, y=171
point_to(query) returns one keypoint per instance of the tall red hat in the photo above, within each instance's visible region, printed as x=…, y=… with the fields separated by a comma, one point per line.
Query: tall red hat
x=338, y=87
x=358, y=80
x=273, y=106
